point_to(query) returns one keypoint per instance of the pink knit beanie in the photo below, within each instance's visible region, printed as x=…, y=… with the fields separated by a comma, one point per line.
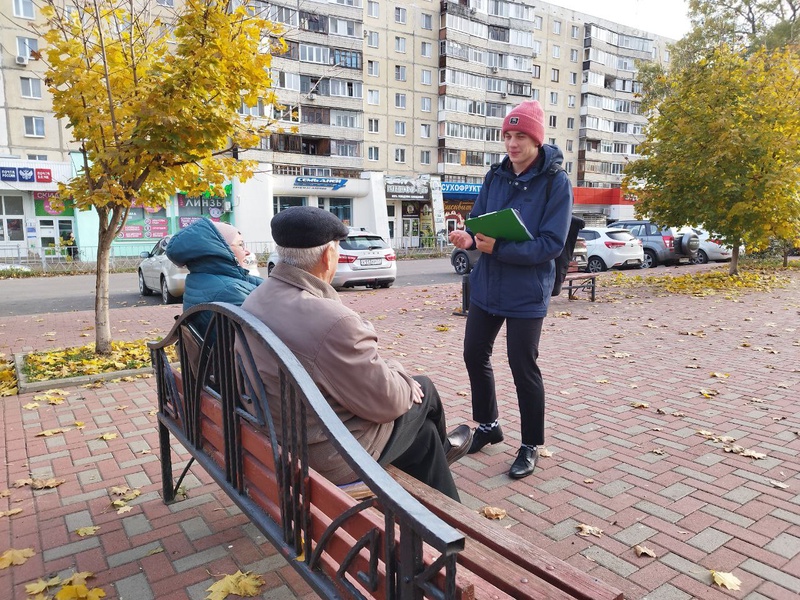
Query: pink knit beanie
x=528, y=118
x=228, y=232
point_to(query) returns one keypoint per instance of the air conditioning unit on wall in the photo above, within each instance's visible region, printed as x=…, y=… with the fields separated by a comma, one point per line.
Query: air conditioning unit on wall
x=22, y=60
x=494, y=69
x=503, y=94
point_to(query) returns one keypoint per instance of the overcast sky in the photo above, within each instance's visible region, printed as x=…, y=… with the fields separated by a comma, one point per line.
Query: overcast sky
x=664, y=17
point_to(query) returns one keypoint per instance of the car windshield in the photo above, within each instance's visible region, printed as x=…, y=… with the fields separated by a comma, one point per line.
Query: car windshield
x=363, y=242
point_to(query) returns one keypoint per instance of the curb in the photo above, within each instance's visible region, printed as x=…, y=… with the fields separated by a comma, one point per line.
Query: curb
x=24, y=387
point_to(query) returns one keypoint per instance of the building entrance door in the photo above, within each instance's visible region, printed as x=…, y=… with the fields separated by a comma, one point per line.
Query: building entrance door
x=53, y=235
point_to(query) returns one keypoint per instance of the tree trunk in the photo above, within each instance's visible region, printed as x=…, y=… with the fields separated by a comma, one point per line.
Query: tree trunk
x=102, y=322
x=733, y=269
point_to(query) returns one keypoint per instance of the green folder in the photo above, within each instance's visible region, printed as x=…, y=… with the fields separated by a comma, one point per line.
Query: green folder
x=503, y=224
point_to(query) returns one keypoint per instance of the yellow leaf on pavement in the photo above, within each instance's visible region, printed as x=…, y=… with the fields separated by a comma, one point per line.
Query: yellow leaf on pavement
x=587, y=530
x=727, y=580
x=643, y=550
x=31, y=406
x=79, y=592
x=247, y=585
x=84, y=531
x=12, y=556
x=50, y=432
x=16, y=511
x=108, y=436
x=124, y=509
x=41, y=585
x=78, y=578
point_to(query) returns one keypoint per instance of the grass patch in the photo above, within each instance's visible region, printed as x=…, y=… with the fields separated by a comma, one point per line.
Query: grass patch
x=707, y=283
x=73, y=362
x=8, y=379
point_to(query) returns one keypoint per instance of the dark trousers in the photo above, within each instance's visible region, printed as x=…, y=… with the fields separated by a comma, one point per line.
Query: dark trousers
x=523, y=349
x=416, y=445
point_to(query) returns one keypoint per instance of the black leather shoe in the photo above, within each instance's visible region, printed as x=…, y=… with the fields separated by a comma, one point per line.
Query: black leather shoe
x=457, y=443
x=481, y=438
x=525, y=463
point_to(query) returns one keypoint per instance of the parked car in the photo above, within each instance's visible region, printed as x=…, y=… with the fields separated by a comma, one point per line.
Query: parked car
x=611, y=247
x=711, y=249
x=364, y=259
x=463, y=261
x=157, y=273
x=662, y=245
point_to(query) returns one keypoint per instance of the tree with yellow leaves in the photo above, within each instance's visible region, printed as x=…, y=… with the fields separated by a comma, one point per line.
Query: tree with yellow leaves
x=151, y=97
x=723, y=147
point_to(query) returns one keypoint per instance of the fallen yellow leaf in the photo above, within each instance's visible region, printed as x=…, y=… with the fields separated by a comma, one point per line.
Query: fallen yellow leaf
x=727, y=580
x=247, y=585
x=587, y=530
x=12, y=556
x=643, y=550
x=84, y=531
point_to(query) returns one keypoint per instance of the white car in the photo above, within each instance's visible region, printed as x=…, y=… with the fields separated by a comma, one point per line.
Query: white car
x=610, y=247
x=711, y=249
x=364, y=259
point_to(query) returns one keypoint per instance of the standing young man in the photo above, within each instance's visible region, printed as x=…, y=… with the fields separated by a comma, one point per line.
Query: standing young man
x=512, y=281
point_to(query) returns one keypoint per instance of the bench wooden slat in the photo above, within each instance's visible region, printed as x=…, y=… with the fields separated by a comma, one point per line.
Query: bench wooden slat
x=559, y=573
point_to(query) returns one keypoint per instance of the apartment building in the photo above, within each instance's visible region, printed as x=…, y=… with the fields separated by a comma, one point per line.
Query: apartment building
x=399, y=109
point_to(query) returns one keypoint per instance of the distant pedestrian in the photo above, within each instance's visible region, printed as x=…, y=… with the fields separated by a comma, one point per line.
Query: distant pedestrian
x=72, y=246
x=512, y=281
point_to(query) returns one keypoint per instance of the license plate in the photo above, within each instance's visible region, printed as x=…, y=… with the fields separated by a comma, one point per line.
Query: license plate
x=369, y=262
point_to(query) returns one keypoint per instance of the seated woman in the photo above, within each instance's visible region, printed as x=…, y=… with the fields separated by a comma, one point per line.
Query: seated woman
x=215, y=255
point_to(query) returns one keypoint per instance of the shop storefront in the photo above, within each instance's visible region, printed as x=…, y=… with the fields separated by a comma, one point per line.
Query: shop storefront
x=414, y=206
x=458, y=199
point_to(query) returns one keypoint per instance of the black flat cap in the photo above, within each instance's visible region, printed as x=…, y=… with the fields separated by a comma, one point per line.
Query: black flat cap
x=306, y=227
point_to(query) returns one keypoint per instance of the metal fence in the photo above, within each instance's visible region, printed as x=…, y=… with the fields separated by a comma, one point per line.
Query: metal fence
x=83, y=259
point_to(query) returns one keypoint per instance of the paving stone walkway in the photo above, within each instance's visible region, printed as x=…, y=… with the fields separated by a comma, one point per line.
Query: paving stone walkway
x=631, y=380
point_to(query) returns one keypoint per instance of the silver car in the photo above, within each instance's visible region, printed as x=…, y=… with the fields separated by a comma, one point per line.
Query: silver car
x=158, y=273
x=364, y=259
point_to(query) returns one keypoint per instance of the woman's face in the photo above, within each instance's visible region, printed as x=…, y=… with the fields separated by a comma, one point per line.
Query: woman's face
x=521, y=150
x=239, y=251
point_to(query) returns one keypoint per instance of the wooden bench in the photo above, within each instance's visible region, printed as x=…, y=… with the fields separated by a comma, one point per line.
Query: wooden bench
x=397, y=539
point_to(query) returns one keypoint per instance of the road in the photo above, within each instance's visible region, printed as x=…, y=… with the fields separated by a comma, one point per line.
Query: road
x=39, y=295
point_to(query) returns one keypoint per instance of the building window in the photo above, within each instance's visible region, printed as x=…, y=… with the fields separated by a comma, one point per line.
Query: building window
x=552, y=121
x=399, y=15
x=37, y=156
x=568, y=167
x=557, y=27
x=569, y=145
x=427, y=21
x=425, y=157
x=373, y=153
x=34, y=126
x=570, y=122
x=573, y=55
x=373, y=97
x=554, y=98
x=24, y=9
x=400, y=44
x=399, y=155
x=537, y=22
x=169, y=3
x=31, y=87
x=425, y=104
x=551, y=141
x=373, y=125
x=575, y=32
x=556, y=51
x=573, y=78
x=373, y=68
x=399, y=73
x=399, y=100
x=554, y=74
x=571, y=101
x=426, y=50
x=536, y=71
x=12, y=218
x=427, y=77
x=373, y=9
x=425, y=130
x=25, y=45
x=535, y=94
x=372, y=39
x=399, y=127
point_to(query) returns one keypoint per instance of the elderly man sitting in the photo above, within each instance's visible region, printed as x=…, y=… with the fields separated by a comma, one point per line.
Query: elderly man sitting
x=397, y=418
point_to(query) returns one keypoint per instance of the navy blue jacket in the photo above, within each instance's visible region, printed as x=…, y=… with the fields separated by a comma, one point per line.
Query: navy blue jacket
x=516, y=279
x=214, y=273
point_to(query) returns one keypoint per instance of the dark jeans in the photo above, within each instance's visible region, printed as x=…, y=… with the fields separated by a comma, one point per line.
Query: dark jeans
x=523, y=349
x=416, y=445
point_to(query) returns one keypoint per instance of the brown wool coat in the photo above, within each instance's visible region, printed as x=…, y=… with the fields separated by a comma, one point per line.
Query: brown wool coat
x=339, y=350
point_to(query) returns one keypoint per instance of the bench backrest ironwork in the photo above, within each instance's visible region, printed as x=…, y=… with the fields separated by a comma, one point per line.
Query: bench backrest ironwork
x=397, y=547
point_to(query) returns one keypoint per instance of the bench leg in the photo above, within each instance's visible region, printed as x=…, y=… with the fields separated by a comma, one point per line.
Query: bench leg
x=167, y=490
x=594, y=280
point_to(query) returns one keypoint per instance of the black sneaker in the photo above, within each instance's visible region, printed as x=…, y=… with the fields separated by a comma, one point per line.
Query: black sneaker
x=481, y=438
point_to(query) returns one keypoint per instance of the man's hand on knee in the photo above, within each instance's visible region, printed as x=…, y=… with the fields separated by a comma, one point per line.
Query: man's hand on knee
x=416, y=392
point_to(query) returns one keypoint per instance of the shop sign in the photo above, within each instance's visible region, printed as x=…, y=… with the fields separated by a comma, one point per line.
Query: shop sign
x=47, y=204
x=44, y=195
x=320, y=183
x=411, y=209
x=26, y=174
x=454, y=187
x=407, y=189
